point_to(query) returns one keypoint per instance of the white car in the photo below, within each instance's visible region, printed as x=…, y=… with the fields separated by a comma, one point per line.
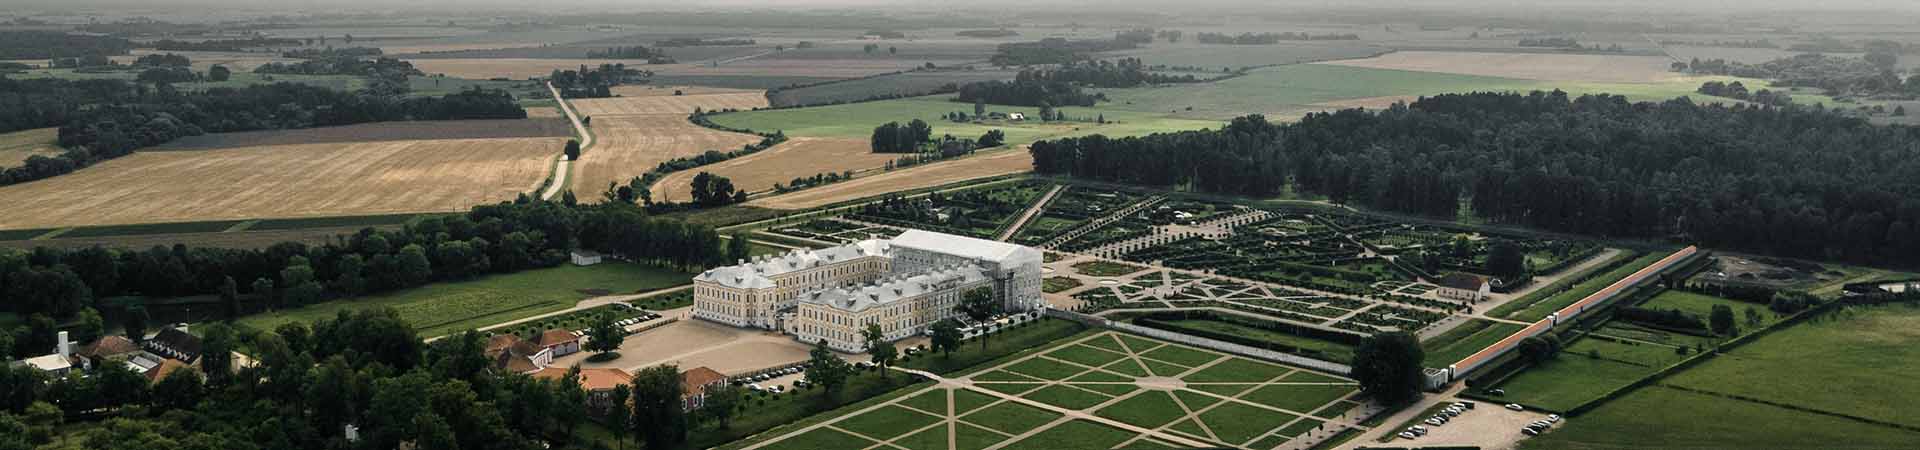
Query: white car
x=1516, y=407
x=1407, y=435
x=1553, y=418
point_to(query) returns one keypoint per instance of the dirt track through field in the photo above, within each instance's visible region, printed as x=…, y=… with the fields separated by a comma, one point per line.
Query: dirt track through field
x=798, y=157
x=1000, y=162
x=1528, y=66
x=284, y=181
x=635, y=134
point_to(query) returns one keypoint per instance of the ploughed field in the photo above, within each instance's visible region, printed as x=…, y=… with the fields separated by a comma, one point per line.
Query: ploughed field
x=632, y=135
x=796, y=158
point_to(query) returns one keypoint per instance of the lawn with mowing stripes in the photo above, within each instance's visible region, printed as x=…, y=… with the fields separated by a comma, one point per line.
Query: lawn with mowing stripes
x=1066, y=397
x=1074, y=434
x=1086, y=356
x=1181, y=355
x=1238, y=370
x=887, y=422
x=1148, y=410
x=1010, y=417
x=1465, y=340
x=1302, y=398
x=820, y=439
x=1045, y=369
x=1109, y=342
x=934, y=401
x=1236, y=423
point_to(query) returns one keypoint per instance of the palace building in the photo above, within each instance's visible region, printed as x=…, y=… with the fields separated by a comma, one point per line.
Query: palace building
x=903, y=284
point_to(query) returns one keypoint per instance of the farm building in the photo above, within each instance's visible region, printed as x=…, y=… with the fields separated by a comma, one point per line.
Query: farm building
x=560, y=342
x=599, y=383
x=512, y=354
x=1464, y=286
x=586, y=257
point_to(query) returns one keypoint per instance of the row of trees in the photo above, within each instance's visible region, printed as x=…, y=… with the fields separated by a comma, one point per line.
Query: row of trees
x=1270, y=38
x=595, y=82
x=502, y=238
x=1054, y=51
x=1738, y=90
x=106, y=119
x=1794, y=181
x=1122, y=73
x=1028, y=88
x=653, y=56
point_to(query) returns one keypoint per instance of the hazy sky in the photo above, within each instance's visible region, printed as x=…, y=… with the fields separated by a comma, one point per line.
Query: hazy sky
x=1518, y=6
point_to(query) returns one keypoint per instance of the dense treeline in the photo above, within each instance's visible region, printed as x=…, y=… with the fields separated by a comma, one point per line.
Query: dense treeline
x=222, y=45
x=994, y=33
x=489, y=239
x=1551, y=42
x=1793, y=181
x=1053, y=51
x=345, y=65
x=106, y=119
x=1028, y=88
x=653, y=56
x=1124, y=73
x=698, y=42
x=331, y=53
x=595, y=82
x=357, y=380
x=1839, y=76
x=1738, y=90
x=163, y=60
x=893, y=137
x=1270, y=38
x=57, y=44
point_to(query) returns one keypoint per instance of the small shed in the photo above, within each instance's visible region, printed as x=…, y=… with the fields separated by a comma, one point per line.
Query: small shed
x=586, y=257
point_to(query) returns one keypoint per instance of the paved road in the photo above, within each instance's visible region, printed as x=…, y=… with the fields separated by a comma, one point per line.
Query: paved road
x=1031, y=211
x=586, y=140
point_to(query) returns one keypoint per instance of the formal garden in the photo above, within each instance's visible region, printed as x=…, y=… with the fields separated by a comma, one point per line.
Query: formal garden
x=981, y=212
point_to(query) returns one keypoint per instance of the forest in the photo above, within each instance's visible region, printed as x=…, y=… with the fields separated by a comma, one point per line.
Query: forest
x=367, y=371
x=653, y=56
x=489, y=239
x=1873, y=74
x=54, y=44
x=106, y=119
x=595, y=82
x=1054, y=51
x=1793, y=181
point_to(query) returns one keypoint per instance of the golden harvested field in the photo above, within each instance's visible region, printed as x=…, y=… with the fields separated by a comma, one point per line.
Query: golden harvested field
x=648, y=90
x=679, y=105
x=798, y=157
x=544, y=112
x=628, y=146
x=980, y=166
x=828, y=68
x=1528, y=66
x=514, y=68
x=15, y=147
x=284, y=181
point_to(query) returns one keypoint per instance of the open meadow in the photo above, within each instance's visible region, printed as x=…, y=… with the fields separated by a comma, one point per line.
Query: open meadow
x=796, y=158
x=277, y=181
x=1526, y=66
x=17, y=146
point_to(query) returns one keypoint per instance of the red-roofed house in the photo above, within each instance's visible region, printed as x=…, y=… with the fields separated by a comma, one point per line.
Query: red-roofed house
x=694, y=383
x=561, y=342
x=1464, y=286
x=599, y=383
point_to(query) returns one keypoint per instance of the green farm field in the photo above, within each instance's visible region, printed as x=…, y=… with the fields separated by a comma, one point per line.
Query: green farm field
x=1284, y=92
x=1701, y=306
x=856, y=121
x=443, y=308
x=1857, y=361
x=1329, y=350
x=1664, y=418
x=1575, y=377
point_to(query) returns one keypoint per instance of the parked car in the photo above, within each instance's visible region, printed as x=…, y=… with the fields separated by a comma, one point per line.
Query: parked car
x=754, y=387
x=1553, y=418
x=1516, y=407
x=1407, y=435
x=1529, y=432
x=1496, y=391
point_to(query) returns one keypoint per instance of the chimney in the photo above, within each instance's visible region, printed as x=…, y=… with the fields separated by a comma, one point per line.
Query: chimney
x=65, y=348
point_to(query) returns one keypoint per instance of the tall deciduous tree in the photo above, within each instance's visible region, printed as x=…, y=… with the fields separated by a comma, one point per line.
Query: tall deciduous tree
x=979, y=305
x=620, y=414
x=1388, y=366
x=722, y=402
x=1720, y=319
x=659, y=416
x=604, y=337
x=826, y=369
x=946, y=337
x=882, y=352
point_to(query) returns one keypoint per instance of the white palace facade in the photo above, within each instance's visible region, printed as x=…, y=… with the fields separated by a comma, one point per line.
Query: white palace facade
x=904, y=285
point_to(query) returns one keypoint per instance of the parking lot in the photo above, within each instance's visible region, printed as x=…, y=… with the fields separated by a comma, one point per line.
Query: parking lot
x=1488, y=426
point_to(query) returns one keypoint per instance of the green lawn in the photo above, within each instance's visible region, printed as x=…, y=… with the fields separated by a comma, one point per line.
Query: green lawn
x=1328, y=350
x=1106, y=268
x=1074, y=434
x=1660, y=418
x=1465, y=340
x=1859, y=361
x=1533, y=308
x=1302, y=398
x=1058, y=284
x=887, y=423
x=1086, y=356
x=1700, y=305
x=1150, y=409
x=443, y=308
x=1238, y=370
x=1067, y=397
